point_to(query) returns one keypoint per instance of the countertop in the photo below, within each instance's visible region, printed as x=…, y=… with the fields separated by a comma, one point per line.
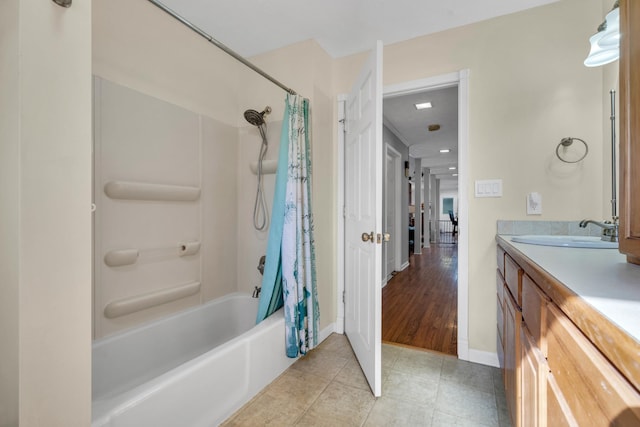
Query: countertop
x=601, y=277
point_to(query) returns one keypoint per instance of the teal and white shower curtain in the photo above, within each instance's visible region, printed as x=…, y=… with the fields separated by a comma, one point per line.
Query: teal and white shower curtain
x=290, y=270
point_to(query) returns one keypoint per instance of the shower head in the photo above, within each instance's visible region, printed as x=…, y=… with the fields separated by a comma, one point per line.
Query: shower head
x=255, y=118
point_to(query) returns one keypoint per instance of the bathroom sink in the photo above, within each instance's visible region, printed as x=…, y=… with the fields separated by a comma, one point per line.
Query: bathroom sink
x=566, y=241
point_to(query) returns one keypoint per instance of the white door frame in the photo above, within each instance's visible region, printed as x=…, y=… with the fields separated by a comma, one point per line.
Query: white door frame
x=460, y=79
x=396, y=231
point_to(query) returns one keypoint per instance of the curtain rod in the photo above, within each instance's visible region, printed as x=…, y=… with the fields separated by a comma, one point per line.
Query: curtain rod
x=221, y=46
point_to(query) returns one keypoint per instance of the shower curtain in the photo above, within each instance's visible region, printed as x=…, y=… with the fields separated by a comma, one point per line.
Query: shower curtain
x=290, y=269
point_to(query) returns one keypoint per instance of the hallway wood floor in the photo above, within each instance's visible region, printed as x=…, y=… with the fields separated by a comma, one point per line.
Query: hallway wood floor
x=419, y=304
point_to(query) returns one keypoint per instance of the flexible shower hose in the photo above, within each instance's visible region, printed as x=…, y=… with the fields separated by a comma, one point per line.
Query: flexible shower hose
x=260, y=213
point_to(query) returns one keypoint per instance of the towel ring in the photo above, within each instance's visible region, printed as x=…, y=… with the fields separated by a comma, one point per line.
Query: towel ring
x=565, y=143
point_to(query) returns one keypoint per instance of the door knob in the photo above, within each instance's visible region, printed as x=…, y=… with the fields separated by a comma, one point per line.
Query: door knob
x=386, y=237
x=366, y=237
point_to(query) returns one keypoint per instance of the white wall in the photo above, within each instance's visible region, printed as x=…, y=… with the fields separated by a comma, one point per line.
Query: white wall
x=528, y=89
x=393, y=140
x=45, y=215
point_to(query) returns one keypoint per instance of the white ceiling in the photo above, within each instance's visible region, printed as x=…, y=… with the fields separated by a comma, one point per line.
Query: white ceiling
x=341, y=27
x=344, y=27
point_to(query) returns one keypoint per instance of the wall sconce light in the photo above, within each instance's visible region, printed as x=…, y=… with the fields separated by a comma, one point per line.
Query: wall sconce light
x=406, y=169
x=605, y=44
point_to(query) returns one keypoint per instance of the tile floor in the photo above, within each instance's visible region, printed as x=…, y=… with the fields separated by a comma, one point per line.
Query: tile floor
x=327, y=388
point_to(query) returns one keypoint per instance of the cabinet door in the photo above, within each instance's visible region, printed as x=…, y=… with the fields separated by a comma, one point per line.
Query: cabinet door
x=534, y=306
x=594, y=390
x=630, y=130
x=512, y=323
x=558, y=411
x=533, y=371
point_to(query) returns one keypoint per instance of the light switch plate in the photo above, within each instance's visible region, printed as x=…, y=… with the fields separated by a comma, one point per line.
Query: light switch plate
x=534, y=204
x=489, y=188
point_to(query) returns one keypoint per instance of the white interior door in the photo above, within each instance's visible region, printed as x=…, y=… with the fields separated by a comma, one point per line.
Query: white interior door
x=363, y=219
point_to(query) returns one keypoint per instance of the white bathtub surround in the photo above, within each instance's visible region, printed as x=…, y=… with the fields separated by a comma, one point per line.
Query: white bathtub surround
x=290, y=270
x=161, y=172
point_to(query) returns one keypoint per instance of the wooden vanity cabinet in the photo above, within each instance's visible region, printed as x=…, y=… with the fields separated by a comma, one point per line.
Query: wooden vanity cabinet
x=509, y=324
x=630, y=129
x=595, y=392
x=511, y=371
x=553, y=374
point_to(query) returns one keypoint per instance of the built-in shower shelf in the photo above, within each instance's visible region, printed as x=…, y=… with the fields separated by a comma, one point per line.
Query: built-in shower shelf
x=268, y=166
x=129, y=256
x=136, y=303
x=128, y=190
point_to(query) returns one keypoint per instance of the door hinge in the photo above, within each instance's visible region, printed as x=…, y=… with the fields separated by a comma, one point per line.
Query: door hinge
x=344, y=124
x=343, y=294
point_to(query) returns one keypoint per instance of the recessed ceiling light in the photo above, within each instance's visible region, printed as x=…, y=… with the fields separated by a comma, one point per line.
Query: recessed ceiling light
x=445, y=150
x=423, y=105
x=452, y=168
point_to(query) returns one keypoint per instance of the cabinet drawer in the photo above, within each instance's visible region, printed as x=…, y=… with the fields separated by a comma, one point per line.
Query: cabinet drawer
x=534, y=312
x=595, y=392
x=513, y=277
x=500, y=260
x=558, y=412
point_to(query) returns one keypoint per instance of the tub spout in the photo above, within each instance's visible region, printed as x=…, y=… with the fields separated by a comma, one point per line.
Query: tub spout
x=609, y=228
x=256, y=292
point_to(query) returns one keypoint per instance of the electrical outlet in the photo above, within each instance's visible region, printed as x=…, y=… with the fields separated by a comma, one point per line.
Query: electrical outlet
x=534, y=204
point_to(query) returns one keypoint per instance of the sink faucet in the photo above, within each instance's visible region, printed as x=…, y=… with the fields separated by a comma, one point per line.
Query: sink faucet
x=609, y=228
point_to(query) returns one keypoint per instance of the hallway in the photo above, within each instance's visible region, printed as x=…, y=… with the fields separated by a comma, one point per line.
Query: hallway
x=419, y=304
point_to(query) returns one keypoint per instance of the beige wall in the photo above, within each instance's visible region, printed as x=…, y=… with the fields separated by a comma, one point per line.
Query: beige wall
x=528, y=89
x=45, y=213
x=9, y=212
x=139, y=46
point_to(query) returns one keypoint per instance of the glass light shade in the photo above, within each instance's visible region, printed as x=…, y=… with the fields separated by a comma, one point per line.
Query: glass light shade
x=599, y=55
x=611, y=36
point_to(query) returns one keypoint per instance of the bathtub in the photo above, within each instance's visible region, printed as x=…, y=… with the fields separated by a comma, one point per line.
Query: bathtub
x=194, y=368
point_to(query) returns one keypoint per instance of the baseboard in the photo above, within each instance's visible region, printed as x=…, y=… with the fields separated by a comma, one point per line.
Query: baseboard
x=484, y=358
x=463, y=348
x=384, y=283
x=404, y=266
x=324, y=334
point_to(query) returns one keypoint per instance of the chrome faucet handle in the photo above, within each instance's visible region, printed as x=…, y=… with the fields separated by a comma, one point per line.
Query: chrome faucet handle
x=609, y=228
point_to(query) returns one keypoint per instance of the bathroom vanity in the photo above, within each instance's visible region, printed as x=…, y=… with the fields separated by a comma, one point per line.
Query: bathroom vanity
x=568, y=335
x=630, y=130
